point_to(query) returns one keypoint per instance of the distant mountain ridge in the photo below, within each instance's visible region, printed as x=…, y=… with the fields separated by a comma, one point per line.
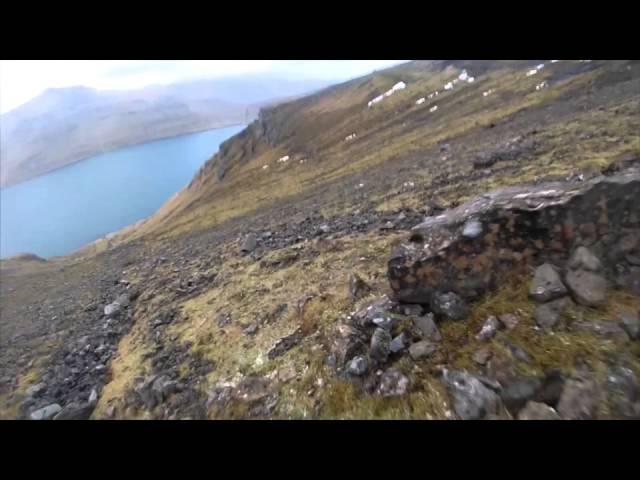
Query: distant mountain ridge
x=65, y=125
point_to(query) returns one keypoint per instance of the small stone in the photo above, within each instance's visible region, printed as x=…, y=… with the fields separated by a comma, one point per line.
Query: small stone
x=579, y=398
x=584, y=259
x=631, y=324
x=472, y=400
x=500, y=368
x=482, y=356
x=223, y=320
x=392, y=383
x=358, y=366
x=538, y=411
x=251, y=329
x=35, y=390
x=517, y=393
x=549, y=314
x=112, y=309
x=422, y=349
x=249, y=244
x=380, y=344
x=546, y=284
x=472, y=229
x=489, y=329
x=46, y=413
x=324, y=228
x=399, y=343
x=509, y=320
x=603, y=328
x=93, y=397
x=449, y=305
x=383, y=322
x=587, y=288
x=123, y=300
x=428, y=327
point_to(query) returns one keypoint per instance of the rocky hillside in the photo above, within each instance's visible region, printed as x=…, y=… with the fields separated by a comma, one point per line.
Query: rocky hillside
x=65, y=125
x=375, y=250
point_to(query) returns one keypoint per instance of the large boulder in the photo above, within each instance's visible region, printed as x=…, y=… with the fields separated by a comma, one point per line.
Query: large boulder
x=520, y=226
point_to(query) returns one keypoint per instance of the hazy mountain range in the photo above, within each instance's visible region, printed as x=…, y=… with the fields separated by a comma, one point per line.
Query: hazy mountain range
x=65, y=125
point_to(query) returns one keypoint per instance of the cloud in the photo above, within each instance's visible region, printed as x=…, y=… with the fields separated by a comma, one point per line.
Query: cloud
x=21, y=80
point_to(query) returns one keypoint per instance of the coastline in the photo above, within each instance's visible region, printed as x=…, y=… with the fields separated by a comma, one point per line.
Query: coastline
x=80, y=158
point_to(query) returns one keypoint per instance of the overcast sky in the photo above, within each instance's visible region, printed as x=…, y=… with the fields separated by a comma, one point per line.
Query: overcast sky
x=21, y=80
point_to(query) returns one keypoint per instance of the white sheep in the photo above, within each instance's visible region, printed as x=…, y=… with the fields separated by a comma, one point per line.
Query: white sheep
x=430, y=96
x=488, y=92
x=436, y=93
x=541, y=85
x=283, y=159
x=554, y=61
x=408, y=185
x=448, y=86
x=350, y=137
x=360, y=185
x=532, y=72
x=433, y=109
x=463, y=76
x=420, y=101
x=264, y=167
x=540, y=67
x=471, y=79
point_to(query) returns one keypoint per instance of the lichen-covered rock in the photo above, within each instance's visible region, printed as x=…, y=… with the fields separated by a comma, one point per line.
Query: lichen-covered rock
x=472, y=400
x=521, y=225
x=489, y=329
x=587, y=288
x=422, y=349
x=428, y=328
x=393, y=383
x=380, y=345
x=358, y=365
x=449, y=305
x=547, y=284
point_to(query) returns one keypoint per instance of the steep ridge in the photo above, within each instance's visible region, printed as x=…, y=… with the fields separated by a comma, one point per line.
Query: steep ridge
x=276, y=284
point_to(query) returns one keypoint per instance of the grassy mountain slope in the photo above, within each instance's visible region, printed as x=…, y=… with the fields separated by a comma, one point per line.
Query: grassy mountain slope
x=207, y=316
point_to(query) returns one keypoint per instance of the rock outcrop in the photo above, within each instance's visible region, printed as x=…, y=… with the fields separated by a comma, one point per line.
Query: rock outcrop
x=521, y=226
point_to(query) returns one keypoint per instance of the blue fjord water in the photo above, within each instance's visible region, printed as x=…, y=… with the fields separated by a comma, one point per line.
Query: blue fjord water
x=60, y=212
